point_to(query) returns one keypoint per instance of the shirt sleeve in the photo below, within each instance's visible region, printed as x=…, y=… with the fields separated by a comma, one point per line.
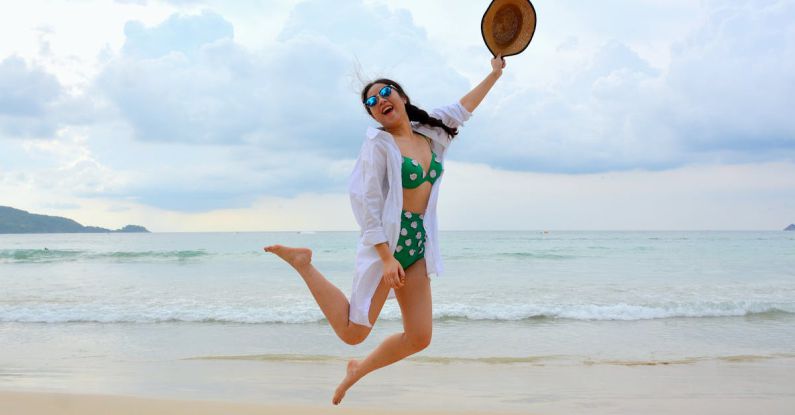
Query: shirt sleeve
x=367, y=192
x=453, y=115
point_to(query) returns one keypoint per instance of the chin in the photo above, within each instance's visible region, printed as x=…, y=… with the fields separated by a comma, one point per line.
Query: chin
x=390, y=122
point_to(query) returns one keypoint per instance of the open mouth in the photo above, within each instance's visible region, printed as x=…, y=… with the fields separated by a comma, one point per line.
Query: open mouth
x=386, y=110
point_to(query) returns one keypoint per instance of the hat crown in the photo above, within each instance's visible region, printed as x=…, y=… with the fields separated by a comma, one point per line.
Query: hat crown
x=507, y=24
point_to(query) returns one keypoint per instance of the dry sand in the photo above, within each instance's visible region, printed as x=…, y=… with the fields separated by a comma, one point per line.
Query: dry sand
x=48, y=403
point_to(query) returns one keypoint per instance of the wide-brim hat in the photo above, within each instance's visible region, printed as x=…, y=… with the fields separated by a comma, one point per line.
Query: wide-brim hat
x=508, y=26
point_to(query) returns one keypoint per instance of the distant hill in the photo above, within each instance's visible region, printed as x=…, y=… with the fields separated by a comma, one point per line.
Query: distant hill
x=19, y=221
x=790, y=227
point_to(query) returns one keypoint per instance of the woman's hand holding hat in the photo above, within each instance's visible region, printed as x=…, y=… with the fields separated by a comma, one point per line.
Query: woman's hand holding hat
x=497, y=65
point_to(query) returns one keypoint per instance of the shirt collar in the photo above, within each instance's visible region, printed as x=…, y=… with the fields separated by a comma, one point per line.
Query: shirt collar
x=373, y=132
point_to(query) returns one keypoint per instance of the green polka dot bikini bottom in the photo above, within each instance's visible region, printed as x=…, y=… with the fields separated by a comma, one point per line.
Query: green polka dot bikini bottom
x=411, y=243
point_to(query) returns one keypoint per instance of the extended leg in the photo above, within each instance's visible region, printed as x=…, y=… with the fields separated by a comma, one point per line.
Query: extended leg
x=415, y=305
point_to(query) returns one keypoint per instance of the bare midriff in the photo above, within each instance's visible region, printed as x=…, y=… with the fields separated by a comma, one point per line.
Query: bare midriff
x=416, y=200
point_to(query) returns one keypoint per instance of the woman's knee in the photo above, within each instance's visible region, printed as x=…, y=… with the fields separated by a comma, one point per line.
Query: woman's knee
x=419, y=339
x=355, y=334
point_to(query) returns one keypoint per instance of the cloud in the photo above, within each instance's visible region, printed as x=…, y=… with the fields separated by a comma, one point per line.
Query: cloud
x=600, y=119
x=34, y=104
x=721, y=98
x=734, y=78
x=297, y=93
x=185, y=34
x=27, y=97
x=285, y=116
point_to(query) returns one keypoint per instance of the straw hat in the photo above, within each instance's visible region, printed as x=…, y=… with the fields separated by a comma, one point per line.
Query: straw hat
x=508, y=26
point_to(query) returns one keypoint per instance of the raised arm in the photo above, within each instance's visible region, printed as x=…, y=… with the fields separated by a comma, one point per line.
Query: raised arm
x=471, y=100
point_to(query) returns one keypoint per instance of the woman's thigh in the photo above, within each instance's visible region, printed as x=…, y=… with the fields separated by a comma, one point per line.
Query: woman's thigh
x=415, y=301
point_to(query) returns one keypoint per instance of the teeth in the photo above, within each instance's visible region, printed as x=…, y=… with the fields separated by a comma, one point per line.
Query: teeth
x=385, y=110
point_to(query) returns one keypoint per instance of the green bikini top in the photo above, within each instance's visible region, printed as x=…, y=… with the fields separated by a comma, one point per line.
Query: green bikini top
x=412, y=173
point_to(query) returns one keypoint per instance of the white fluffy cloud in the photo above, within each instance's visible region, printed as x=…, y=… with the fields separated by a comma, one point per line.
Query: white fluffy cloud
x=278, y=119
x=722, y=97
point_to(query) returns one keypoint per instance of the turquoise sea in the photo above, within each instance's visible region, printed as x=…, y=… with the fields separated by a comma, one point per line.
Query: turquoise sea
x=77, y=307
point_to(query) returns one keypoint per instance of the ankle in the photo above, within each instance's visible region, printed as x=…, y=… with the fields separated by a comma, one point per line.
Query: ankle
x=305, y=269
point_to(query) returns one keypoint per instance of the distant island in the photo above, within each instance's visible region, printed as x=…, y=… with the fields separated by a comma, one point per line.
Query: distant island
x=19, y=221
x=790, y=227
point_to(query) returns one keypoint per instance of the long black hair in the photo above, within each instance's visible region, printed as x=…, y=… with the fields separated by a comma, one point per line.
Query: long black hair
x=414, y=113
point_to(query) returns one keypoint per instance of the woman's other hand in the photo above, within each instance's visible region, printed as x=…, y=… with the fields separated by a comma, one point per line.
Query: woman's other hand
x=394, y=275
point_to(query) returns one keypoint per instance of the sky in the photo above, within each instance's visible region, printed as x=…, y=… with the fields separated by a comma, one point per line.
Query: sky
x=193, y=115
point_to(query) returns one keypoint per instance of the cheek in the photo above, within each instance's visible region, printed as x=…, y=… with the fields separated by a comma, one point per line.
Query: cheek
x=395, y=100
x=376, y=116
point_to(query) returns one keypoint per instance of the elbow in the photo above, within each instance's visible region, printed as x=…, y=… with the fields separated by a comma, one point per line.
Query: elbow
x=468, y=105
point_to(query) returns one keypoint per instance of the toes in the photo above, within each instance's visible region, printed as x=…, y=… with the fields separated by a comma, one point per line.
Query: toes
x=271, y=248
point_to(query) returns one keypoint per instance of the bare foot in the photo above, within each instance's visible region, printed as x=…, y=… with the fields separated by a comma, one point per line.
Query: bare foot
x=297, y=257
x=350, y=379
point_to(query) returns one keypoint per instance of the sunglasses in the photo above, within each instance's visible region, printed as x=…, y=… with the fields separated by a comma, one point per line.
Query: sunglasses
x=383, y=93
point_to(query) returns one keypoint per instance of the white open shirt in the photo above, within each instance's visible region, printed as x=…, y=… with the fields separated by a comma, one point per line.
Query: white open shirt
x=376, y=193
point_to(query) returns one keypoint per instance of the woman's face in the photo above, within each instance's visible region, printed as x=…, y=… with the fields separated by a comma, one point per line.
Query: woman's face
x=389, y=111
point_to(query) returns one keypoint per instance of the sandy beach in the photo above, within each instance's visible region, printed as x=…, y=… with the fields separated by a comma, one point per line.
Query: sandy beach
x=731, y=385
x=31, y=403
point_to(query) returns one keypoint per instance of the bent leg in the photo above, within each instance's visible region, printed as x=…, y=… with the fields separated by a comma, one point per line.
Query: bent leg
x=333, y=302
x=415, y=305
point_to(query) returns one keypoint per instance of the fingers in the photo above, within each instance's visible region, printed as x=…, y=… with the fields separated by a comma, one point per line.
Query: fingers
x=396, y=279
x=401, y=275
x=392, y=280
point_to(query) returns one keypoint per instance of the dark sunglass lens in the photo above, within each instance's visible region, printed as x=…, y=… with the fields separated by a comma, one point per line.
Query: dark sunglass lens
x=370, y=102
x=385, y=91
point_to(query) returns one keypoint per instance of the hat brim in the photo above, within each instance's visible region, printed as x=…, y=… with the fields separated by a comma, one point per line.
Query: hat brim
x=525, y=35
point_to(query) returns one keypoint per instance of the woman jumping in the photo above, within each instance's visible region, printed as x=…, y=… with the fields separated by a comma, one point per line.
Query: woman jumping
x=393, y=190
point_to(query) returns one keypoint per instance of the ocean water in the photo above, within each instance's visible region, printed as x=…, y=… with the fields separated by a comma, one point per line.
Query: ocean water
x=72, y=301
